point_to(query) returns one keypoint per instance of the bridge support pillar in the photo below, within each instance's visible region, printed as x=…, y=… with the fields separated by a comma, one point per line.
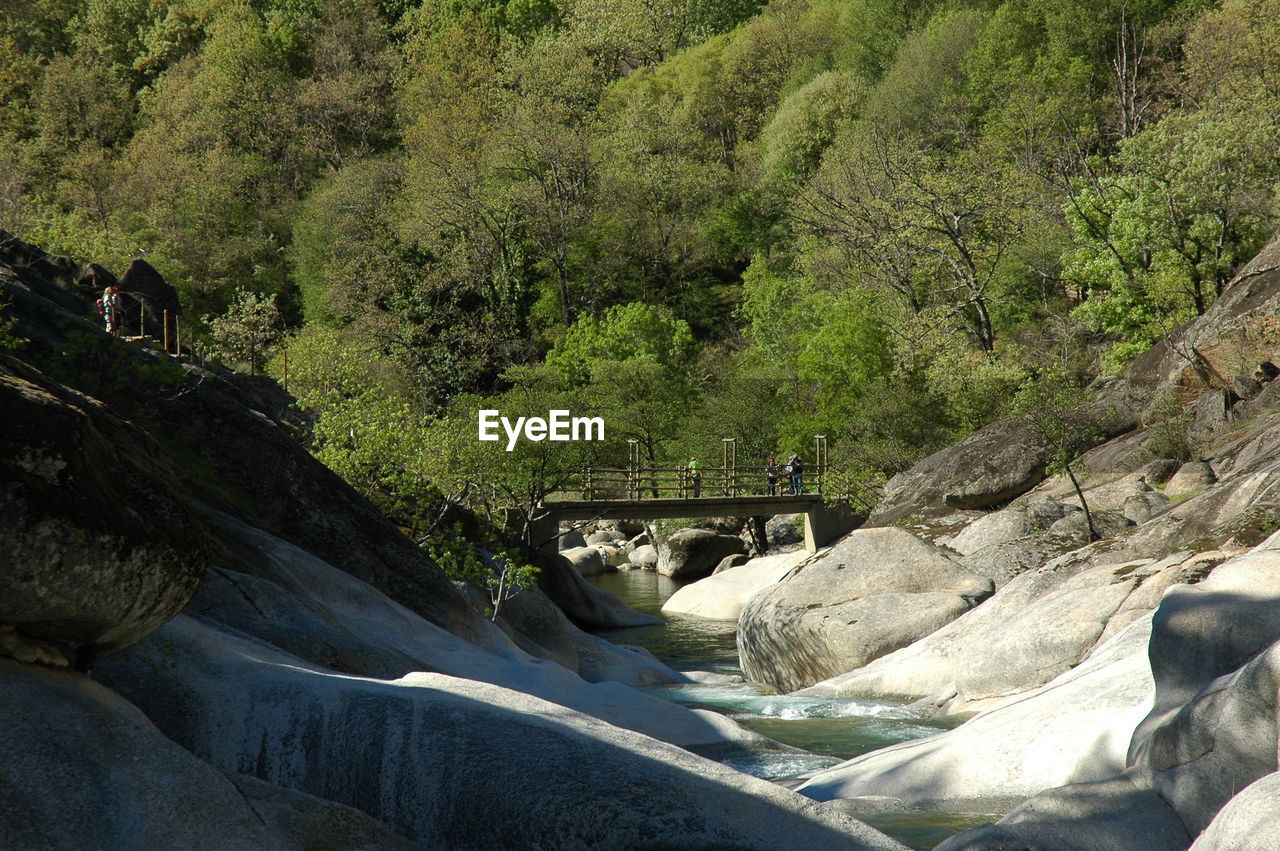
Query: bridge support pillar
x=823, y=524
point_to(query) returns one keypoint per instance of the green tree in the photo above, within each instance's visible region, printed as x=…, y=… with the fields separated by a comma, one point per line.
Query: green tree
x=634, y=365
x=1064, y=416
x=246, y=332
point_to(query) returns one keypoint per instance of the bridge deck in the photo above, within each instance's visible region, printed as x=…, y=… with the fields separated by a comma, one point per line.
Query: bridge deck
x=703, y=506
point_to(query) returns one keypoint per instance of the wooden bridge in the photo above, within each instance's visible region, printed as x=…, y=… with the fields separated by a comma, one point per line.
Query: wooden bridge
x=729, y=490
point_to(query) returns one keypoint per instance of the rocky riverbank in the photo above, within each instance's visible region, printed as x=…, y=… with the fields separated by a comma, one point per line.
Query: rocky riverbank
x=273, y=665
x=1125, y=688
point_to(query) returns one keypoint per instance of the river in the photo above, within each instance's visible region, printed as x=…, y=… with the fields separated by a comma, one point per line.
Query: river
x=830, y=730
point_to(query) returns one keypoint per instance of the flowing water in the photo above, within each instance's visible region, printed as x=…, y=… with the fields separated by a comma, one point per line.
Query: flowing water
x=829, y=730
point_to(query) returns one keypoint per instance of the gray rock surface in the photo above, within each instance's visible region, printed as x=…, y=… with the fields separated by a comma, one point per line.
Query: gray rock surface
x=694, y=553
x=1106, y=815
x=722, y=596
x=782, y=530
x=1212, y=729
x=1205, y=631
x=1002, y=561
x=571, y=539
x=730, y=562
x=996, y=528
x=1251, y=819
x=1006, y=645
x=98, y=543
x=993, y=465
x=587, y=561
x=644, y=556
x=83, y=768
x=584, y=603
x=1192, y=477
x=1073, y=729
x=875, y=591
x=308, y=608
x=418, y=754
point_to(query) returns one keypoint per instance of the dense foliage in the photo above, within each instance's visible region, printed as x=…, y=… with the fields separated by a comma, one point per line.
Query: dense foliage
x=699, y=218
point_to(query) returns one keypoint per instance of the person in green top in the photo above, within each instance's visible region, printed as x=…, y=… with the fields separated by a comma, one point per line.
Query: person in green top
x=695, y=476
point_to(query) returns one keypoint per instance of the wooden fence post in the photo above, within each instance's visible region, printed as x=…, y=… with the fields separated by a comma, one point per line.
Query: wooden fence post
x=166, y=331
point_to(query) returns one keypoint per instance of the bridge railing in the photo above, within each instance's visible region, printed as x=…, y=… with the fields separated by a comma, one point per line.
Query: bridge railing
x=680, y=483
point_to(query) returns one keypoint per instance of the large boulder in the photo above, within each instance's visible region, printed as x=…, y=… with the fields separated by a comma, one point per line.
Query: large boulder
x=145, y=299
x=98, y=544
x=1191, y=478
x=694, y=553
x=1215, y=656
x=1210, y=733
x=1073, y=729
x=991, y=530
x=1249, y=820
x=874, y=592
x=1210, y=629
x=418, y=754
x=571, y=539
x=723, y=595
x=588, y=560
x=991, y=466
x=1037, y=626
x=83, y=768
x=1003, y=560
x=784, y=530
x=287, y=597
x=1105, y=815
x=585, y=604
x=645, y=555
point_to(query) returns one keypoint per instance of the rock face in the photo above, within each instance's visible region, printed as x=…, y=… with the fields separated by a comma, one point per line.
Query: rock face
x=418, y=754
x=783, y=531
x=645, y=555
x=874, y=592
x=730, y=562
x=723, y=595
x=1192, y=477
x=1249, y=820
x=588, y=560
x=98, y=545
x=1107, y=814
x=570, y=540
x=694, y=553
x=82, y=767
x=585, y=604
x=1036, y=627
x=1214, y=662
x=145, y=296
x=991, y=466
x=287, y=597
x=1075, y=728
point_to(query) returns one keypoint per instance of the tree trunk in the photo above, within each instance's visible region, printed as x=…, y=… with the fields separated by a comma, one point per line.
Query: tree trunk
x=1088, y=516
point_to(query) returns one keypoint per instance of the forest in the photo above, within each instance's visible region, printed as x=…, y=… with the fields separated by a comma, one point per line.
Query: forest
x=877, y=220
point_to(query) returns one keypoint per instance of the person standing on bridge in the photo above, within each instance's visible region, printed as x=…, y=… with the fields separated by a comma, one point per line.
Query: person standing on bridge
x=771, y=476
x=695, y=476
x=796, y=468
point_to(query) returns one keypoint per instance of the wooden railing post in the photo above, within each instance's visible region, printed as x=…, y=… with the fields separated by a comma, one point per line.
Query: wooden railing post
x=166, y=331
